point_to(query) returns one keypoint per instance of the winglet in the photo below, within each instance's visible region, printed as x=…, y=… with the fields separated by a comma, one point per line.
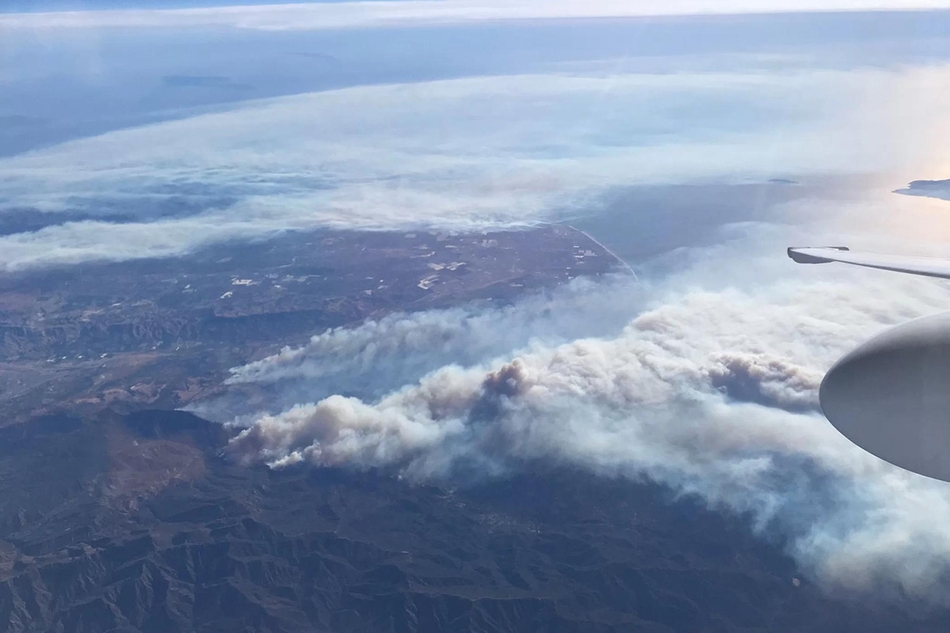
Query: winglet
x=798, y=254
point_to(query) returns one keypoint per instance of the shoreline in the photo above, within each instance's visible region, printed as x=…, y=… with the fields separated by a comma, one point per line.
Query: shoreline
x=623, y=263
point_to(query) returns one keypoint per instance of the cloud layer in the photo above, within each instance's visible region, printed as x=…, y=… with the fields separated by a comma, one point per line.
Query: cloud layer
x=456, y=154
x=333, y=15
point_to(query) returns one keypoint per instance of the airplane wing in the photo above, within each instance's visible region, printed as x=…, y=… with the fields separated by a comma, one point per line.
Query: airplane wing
x=926, y=266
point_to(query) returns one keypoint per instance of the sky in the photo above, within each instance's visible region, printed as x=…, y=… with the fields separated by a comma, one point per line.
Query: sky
x=331, y=15
x=696, y=147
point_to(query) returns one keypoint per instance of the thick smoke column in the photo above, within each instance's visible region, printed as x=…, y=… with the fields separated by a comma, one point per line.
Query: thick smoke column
x=713, y=392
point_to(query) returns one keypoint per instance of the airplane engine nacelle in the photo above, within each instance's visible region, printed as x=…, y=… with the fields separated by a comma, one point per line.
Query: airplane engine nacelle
x=891, y=396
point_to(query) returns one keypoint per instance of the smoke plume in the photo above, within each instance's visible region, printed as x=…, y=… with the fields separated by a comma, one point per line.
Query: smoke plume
x=711, y=390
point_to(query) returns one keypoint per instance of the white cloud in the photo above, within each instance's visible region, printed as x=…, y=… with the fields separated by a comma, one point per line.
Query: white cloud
x=407, y=12
x=462, y=154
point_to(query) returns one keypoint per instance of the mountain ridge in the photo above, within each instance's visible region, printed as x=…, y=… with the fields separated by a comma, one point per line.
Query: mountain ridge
x=198, y=542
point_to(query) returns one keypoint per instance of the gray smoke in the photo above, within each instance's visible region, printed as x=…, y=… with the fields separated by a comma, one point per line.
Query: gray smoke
x=380, y=355
x=710, y=388
x=767, y=380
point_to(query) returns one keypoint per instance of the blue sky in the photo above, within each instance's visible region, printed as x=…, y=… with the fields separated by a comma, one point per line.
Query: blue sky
x=33, y=6
x=593, y=7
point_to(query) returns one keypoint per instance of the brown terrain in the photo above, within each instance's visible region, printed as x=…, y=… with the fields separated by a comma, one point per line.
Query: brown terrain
x=163, y=333
x=120, y=514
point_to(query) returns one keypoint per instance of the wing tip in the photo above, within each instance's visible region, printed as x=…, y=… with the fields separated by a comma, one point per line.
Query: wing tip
x=798, y=254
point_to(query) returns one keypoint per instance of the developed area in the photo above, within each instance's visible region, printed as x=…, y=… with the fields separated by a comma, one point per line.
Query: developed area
x=162, y=333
